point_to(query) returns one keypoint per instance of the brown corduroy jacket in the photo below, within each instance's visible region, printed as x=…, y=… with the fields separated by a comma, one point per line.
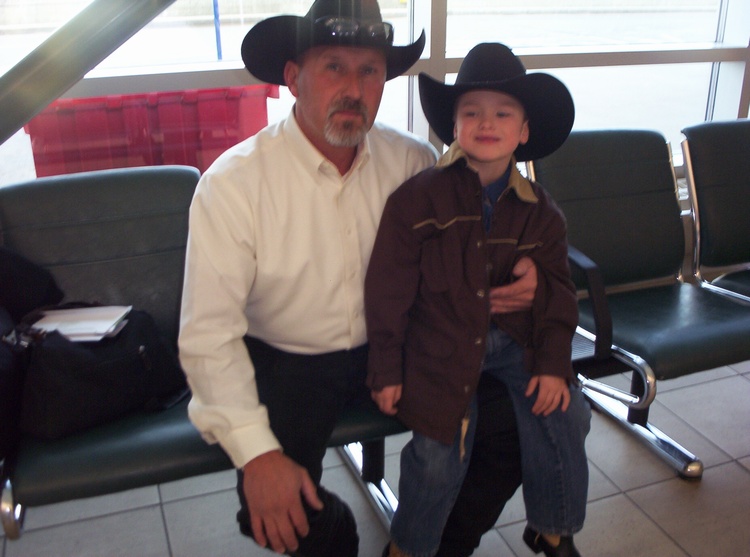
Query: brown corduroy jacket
x=428, y=282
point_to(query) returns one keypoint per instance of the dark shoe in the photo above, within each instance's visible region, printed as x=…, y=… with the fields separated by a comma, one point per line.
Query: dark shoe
x=537, y=543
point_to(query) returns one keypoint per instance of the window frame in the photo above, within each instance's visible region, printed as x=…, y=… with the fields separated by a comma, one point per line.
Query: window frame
x=432, y=15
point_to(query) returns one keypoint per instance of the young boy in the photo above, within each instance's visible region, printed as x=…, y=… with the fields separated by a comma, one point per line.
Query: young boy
x=446, y=237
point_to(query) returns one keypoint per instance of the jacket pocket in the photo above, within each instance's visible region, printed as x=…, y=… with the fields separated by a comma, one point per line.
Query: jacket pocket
x=429, y=342
x=432, y=266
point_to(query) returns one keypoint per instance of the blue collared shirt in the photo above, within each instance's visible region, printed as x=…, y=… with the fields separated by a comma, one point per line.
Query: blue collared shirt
x=490, y=194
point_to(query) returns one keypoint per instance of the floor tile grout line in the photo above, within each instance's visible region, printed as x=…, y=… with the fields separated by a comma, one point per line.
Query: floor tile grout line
x=163, y=514
x=507, y=543
x=697, y=432
x=655, y=522
x=84, y=519
x=608, y=478
x=630, y=493
x=693, y=428
x=197, y=495
x=159, y=503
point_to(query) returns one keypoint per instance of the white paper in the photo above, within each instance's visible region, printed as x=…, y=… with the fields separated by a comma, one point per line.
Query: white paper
x=84, y=324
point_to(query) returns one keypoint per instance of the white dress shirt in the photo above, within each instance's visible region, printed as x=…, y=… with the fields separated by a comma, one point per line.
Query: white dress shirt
x=278, y=248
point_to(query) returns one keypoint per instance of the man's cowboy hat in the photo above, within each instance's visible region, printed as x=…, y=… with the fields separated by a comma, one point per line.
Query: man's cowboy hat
x=492, y=66
x=272, y=42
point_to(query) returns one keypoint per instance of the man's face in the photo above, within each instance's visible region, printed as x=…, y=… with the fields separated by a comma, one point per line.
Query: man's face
x=338, y=92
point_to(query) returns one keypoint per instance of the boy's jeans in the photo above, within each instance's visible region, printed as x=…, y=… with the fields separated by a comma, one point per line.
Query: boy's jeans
x=555, y=468
x=553, y=455
x=431, y=477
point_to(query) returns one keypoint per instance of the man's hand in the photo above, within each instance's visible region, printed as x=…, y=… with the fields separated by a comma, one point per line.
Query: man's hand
x=273, y=484
x=518, y=295
x=387, y=399
x=553, y=392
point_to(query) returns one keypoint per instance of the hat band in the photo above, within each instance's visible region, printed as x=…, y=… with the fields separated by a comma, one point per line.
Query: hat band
x=348, y=29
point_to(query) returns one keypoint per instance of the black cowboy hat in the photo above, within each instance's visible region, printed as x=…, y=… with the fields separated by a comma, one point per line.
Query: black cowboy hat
x=272, y=42
x=493, y=66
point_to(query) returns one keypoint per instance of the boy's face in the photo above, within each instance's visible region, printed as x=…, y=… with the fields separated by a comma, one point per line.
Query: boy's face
x=490, y=126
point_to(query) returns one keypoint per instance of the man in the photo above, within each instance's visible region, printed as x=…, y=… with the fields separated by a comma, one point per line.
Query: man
x=272, y=335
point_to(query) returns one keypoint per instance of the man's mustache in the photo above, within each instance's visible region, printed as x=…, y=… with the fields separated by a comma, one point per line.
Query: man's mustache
x=349, y=105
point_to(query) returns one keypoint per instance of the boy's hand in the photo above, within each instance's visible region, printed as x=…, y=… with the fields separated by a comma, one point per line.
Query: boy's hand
x=387, y=399
x=553, y=392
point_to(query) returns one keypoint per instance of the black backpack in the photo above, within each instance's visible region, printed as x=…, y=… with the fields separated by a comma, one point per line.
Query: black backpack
x=11, y=389
x=24, y=286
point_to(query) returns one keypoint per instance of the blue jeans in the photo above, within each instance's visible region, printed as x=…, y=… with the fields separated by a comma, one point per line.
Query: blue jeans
x=431, y=477
x=553, y=454
x=494, y=472
x=553, y=459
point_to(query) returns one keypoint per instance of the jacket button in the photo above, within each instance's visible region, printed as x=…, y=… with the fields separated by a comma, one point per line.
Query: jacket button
x=479, y=243
x=467, y=389
x=478, y=341
x=480, y=293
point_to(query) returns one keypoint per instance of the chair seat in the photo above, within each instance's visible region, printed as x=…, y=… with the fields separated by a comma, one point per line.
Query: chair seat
x=677, y=329
x=138, y=450
x=738, y=282
x=145, y=449
x=362, y=424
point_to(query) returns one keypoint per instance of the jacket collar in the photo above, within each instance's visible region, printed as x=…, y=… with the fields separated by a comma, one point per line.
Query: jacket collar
x=520, y=185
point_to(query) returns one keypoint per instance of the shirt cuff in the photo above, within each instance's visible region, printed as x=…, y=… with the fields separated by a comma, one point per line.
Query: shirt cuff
x=244, y=444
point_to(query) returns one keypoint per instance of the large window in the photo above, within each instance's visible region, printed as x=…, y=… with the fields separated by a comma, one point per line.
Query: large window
x=188, y=32
x=606, y=52
x=665, y=98
x=551, y=25
x=658, y=64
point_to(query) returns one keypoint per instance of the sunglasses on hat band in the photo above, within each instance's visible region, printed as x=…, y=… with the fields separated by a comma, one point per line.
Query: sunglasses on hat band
x=346, y=29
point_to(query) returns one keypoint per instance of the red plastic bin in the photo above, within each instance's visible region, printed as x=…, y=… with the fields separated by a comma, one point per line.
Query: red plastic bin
x=177, y=127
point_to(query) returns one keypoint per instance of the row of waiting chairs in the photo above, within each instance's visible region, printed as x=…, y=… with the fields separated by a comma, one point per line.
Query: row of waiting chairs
x=638, y=311
x=717, y=162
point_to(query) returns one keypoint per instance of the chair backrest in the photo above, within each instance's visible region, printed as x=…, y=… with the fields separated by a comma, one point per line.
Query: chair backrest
x=617, y=189
x=717, y=163
x=108, y=236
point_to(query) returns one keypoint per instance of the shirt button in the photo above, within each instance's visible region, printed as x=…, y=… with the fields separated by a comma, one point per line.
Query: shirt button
x=467, y=389
x=479, y=243
x=478, y=341
x=480, y=293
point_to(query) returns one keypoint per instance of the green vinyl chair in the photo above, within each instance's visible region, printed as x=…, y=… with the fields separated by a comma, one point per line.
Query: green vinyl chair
x=717, y=168
x=618, y=191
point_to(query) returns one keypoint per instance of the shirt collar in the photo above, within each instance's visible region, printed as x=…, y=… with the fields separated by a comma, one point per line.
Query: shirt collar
x=517, y=182
x=313, y=159
x=494, y=189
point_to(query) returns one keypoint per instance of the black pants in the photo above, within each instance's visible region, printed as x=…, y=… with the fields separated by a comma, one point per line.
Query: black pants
x=493, y=476
x=305, y=395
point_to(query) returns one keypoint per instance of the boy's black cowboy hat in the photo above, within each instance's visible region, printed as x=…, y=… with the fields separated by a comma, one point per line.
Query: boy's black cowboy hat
x=272, y=42
x=492, y=66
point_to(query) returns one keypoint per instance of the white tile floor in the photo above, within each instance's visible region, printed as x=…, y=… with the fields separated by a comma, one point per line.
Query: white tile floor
x=637, y=506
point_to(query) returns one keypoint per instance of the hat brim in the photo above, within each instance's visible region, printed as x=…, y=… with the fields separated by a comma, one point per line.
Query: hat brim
x=272, y=42
x=547, y=101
